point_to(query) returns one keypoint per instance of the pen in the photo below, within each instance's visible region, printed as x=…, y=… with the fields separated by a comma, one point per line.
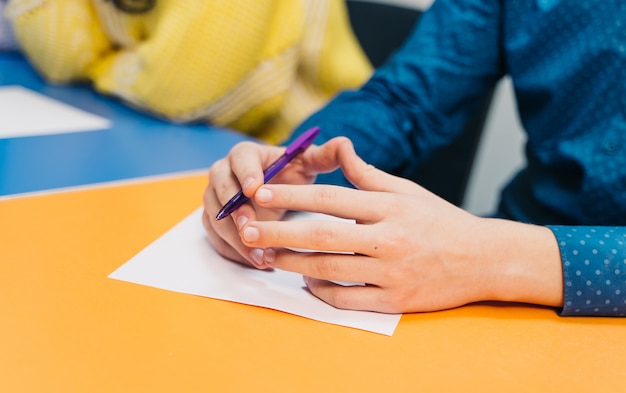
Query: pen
x=296, y=147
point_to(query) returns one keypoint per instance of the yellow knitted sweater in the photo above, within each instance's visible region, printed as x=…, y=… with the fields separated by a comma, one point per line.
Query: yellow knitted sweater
x=258, y=66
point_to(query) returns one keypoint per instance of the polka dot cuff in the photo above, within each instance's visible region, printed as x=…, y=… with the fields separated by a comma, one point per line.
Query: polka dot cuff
x=594, y=270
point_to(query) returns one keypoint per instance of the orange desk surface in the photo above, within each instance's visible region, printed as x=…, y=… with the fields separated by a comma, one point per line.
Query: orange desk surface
x=66, y=327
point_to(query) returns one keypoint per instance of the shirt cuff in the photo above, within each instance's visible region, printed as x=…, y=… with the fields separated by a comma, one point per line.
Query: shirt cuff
x=594, y=269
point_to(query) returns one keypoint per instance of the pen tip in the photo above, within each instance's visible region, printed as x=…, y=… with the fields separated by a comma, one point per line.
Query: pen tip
x=220, y=215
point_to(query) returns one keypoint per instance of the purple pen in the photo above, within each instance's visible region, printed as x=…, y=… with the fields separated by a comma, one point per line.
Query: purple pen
x=296, y=147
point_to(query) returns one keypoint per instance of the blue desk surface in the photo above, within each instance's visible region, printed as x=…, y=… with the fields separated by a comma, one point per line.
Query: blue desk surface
x=136, y=145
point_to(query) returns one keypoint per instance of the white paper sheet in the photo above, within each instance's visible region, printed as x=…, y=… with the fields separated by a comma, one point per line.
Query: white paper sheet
x=183, y=260
x=24, y=112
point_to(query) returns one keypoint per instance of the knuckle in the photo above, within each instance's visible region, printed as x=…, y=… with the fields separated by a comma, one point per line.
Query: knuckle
x=241, y=147
x=223, y=190
x=216, y=178
x=217, y=168
x=395, y=273
x=279, y=235
x=397, y=239
x=221, y=247
x=393, y=303
x=322, y=236
x=365, y=173
x=324, y=194
x=326, y=268
x=340, y=300
x=394, y=306
x=369, y=169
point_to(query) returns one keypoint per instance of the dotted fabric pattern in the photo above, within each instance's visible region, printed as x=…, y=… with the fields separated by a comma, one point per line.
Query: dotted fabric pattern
x=594, y=269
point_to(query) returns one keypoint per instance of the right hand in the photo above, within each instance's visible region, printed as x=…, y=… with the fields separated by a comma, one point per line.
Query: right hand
x=243, y=168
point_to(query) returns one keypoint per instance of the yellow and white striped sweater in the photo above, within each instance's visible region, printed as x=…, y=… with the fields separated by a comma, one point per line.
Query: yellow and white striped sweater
x=258, y=66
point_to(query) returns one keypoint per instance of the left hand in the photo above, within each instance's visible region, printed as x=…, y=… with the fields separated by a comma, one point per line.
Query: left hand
x=415, y=251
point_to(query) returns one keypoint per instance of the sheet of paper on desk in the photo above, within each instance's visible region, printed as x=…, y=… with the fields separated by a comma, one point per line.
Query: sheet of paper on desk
x=183, y=260
x=24, y=112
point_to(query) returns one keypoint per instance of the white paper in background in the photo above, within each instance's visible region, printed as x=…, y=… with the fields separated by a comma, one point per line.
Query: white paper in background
x=183, y=260
x=24, y=112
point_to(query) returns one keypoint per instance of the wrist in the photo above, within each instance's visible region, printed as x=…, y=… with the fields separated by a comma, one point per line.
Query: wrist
x=523, y=263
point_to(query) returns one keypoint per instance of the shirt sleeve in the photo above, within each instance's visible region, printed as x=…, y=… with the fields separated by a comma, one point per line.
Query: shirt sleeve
x=423, y=96
x=594, y=269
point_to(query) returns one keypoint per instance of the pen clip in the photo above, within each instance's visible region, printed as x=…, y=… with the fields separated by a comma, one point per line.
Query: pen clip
x=296, y=147
x=303, y=141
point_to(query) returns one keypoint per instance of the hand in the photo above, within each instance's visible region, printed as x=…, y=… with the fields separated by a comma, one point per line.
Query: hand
x=415, y=251
x=243, y=168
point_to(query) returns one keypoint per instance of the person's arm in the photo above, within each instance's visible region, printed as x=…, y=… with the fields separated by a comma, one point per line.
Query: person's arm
x=419, y=253
x=594, y=269
x=423, y=96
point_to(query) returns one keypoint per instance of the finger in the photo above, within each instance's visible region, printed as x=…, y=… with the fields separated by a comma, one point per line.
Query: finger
x=219, y=191
x=327, y=266
x=367, y=177
x=220, y=245
x=323, y=158
x=224, y=234
x=364, y=298
x=363, y=206
x=247, y=161
x=338, y=237
x=222, y=182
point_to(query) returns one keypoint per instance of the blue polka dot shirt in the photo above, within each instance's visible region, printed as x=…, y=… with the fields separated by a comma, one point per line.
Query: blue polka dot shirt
x=567, y=61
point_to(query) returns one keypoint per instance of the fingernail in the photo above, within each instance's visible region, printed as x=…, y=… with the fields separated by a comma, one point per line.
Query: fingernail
x=247, y=183
x=251, y=234
x=257, y=257
x=263, y=195
x=241, y=221
x=269, y=255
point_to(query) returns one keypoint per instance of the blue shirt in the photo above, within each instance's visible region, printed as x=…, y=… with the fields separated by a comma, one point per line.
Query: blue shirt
x=567, y=61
